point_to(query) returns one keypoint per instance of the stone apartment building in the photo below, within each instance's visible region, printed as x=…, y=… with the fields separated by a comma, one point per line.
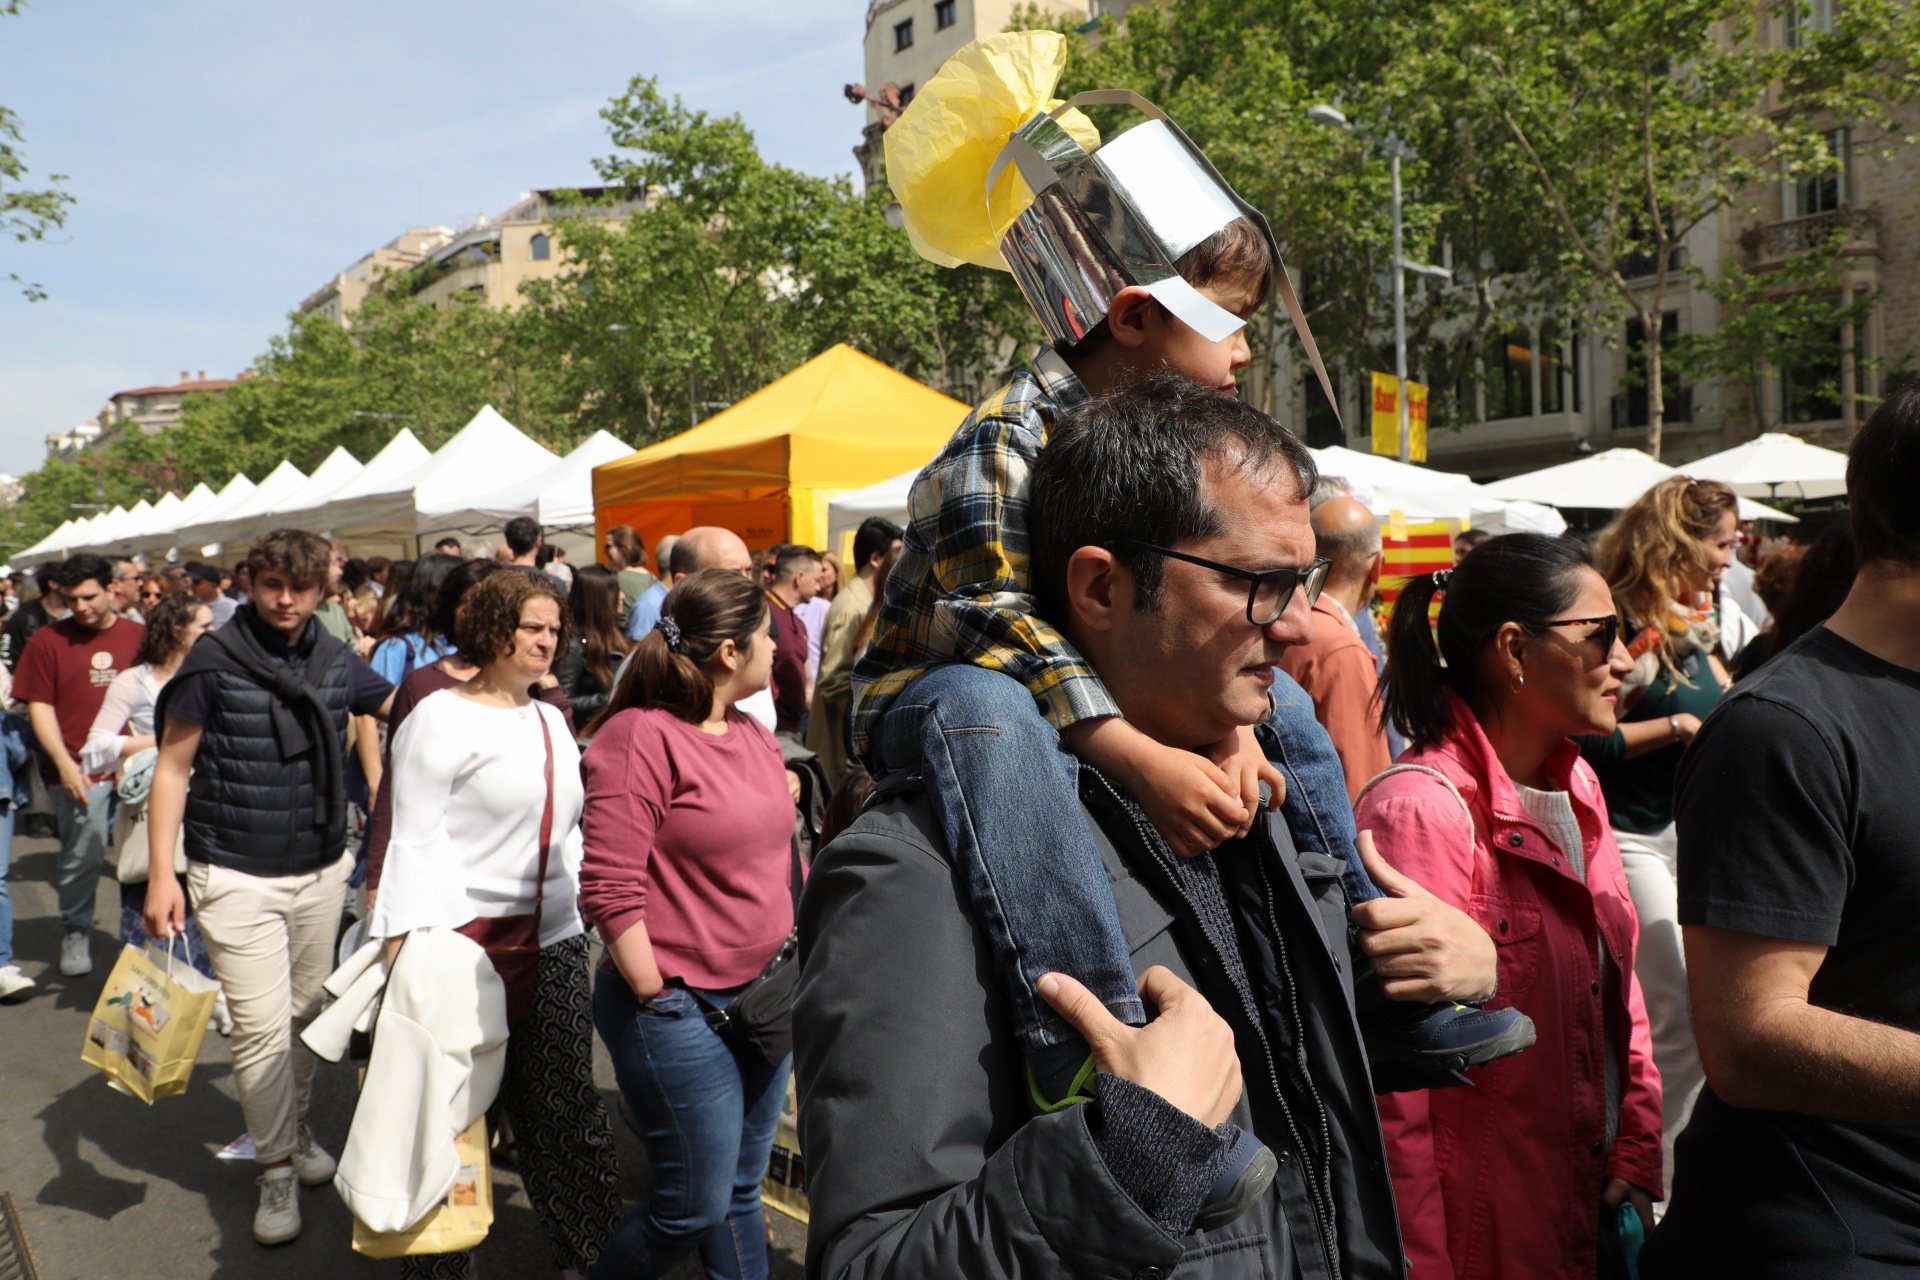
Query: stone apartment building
x=489, y=259
x=148, y=410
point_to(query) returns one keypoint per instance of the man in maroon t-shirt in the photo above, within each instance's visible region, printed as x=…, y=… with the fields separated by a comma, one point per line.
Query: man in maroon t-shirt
x=796, y=580
x=63, y=678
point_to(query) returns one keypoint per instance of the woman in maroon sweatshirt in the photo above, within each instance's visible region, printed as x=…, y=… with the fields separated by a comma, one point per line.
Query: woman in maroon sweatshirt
x=686, y=876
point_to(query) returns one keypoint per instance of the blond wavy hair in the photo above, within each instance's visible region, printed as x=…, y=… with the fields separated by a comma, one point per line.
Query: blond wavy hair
x=1656, y=542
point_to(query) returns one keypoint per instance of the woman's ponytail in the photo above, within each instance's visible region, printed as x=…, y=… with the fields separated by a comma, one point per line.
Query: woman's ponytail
x=1414, y=696
x=671, y=667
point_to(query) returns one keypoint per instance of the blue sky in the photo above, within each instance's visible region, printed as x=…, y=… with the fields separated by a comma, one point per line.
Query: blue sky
x=229, y=158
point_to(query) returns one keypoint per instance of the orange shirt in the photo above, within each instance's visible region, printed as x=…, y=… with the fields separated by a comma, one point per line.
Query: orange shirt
x=1336, y=669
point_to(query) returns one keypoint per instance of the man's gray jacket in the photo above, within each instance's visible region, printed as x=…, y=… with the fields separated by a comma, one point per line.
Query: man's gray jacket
x=924, y=1158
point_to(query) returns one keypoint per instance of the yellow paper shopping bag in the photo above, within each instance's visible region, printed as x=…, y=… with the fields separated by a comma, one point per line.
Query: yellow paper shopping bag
x=146, y=1029
x=461, y=1223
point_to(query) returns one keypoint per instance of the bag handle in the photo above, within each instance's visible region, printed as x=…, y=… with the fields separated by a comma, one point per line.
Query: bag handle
x=1430, y=771
x=546, y=823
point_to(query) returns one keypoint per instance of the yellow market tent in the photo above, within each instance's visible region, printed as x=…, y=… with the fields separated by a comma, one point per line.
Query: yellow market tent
x=767, y=467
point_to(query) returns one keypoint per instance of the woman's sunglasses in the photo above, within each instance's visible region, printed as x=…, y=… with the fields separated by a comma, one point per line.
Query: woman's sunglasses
x=1609, y=631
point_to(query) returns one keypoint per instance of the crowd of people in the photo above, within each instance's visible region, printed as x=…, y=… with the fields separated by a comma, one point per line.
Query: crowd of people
x=1126, y=890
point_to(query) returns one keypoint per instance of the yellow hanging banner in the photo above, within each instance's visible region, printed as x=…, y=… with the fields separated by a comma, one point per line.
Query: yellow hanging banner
x=1386, y=417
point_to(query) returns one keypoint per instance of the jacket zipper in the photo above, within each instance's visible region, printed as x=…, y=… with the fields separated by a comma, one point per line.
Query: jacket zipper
x=1322, y=1200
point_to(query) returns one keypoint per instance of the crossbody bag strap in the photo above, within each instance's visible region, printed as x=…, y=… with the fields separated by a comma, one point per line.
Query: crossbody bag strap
x=546, y=823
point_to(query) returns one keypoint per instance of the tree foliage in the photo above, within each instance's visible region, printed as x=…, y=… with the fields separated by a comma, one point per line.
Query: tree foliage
x=25, y=214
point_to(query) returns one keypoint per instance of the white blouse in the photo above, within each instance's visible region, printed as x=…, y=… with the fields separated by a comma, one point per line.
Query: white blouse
x=126, y=712
x=469, y=785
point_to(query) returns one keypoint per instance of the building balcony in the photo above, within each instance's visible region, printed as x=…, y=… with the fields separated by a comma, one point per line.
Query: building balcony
x=1770, y=244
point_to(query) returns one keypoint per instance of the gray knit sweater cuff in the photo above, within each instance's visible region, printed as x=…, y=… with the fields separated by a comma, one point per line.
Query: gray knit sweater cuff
x=1164, y=1159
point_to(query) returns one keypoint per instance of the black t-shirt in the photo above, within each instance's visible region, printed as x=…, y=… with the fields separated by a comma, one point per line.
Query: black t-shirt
x=1799, y=818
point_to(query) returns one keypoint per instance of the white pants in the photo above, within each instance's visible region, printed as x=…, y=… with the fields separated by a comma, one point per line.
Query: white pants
x=271, y=941
x=1651, y=864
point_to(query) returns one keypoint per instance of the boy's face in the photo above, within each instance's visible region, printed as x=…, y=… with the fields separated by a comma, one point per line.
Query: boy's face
x=1167, y=342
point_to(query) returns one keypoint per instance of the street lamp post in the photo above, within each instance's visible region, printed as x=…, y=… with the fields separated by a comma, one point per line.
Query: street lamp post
x=1395, y=149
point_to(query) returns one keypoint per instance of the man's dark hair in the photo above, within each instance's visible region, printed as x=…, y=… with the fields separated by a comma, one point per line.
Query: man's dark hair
x=1129, y=465
x=376, y=565
x=1883, y=477
x=875, y=537
x=75, y=570
x=523, y=535
x=1467, y=539
x=47, y=574
x=449, y=545
x=788, y=557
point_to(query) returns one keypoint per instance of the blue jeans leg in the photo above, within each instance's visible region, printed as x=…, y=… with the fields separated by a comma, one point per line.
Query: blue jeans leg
x=6, y=887
x=707, y=1118
x=83, y=846
x=1317, y=810
x=1007, y=798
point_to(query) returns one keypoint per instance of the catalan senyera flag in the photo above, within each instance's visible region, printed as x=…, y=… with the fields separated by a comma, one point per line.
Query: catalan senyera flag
x=1386, y=417
x=1413, y=549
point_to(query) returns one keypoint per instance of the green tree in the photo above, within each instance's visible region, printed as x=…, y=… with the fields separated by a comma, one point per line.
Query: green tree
x=25, y=214
x=1638, y=121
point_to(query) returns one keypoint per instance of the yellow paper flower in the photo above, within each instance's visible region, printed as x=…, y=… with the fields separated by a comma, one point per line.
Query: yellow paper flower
x=943, y=144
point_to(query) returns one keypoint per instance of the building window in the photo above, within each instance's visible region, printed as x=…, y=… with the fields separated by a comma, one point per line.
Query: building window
x=1630, y=407
x=943, y=15
x=1323, y=423
x=540, y=247
x=906, y=94
x=1812, y=386
x=1806, y=17
x=903, y=35
x=1552, y=356
x=1510, y=377
x=1825, y=191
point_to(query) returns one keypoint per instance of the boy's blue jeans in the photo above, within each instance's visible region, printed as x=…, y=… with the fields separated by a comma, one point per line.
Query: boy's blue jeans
x=1007, y=799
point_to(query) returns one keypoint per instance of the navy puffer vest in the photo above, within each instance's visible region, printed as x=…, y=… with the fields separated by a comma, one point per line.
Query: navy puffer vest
x=247, y=808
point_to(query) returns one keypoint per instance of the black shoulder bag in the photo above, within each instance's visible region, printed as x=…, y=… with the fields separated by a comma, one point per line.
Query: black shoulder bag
x=759, y=1023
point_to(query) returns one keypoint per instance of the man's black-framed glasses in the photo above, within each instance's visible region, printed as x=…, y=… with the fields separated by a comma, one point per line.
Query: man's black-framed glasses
x=1269, y=591
x=1608, y=623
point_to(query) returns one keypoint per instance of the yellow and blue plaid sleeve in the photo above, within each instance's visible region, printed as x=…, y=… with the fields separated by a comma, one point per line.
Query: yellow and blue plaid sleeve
x=961, y=589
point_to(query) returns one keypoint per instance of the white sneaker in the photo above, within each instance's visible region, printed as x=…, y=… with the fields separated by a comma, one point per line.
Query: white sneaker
x=76, y=955
x=311, y=1161
x=222, y=1020
x=277, y=1220
x=14, y=985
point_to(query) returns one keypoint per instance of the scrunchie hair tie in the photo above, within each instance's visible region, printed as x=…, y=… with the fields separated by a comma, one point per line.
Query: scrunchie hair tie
x=1440, y=577
x=671, y=631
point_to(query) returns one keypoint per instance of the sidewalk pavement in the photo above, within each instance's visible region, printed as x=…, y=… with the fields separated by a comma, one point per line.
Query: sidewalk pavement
x=109, y=1186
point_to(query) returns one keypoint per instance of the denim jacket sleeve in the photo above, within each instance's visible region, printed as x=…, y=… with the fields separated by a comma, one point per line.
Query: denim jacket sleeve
x=921, y=1158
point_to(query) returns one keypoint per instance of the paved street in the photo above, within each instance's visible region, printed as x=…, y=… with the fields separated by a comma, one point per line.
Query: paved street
x=109, y=1187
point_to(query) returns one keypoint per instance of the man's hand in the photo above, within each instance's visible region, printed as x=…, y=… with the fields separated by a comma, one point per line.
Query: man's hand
x=1185, y=1054
x=1246, y=766
x=72, y=781
x=1618, y=1189
x=166, y=911
x=1423, y=950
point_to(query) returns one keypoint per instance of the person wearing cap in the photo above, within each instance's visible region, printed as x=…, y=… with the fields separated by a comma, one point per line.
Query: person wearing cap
x=204, y=581
x=1137, y=259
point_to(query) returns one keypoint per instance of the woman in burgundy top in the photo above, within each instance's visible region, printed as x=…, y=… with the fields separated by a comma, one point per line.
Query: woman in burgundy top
x=686, y=875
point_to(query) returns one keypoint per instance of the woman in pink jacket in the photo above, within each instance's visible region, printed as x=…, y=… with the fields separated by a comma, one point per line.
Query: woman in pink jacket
x=1494, y=811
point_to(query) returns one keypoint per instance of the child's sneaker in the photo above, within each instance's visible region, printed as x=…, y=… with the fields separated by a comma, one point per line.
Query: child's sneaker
x=1243, y=1179
x=1429, y=1046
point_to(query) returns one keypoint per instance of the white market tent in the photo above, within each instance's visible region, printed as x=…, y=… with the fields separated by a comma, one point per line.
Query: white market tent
x=380, y=490
x=1775, y=465
x=1609, y=481
x=47, y=547
x=846, y=510
x=335, y=473
x=241, y=520
x=157, y=540
x=559, y=496
x=232, y=496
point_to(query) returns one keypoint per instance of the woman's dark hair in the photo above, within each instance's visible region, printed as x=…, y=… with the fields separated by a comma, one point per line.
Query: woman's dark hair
x=462, y=578
x=1820, y=584
x=353, y=575
x=1526, y=578
x=409, y=606
x=707, y=609
x=595, y=605
x=167, y=624
x=492, y=620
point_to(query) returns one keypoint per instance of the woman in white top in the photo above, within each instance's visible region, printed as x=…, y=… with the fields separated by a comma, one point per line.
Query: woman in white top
x=124, y=730
x=469, y=788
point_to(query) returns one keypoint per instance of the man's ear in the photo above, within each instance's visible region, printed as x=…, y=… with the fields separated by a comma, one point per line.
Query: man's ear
x=1376, y=567
x=1131, y=316
x=1098, y=587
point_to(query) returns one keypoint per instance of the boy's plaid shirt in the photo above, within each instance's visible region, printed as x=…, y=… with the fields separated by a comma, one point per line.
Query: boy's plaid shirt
x=961, y=590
